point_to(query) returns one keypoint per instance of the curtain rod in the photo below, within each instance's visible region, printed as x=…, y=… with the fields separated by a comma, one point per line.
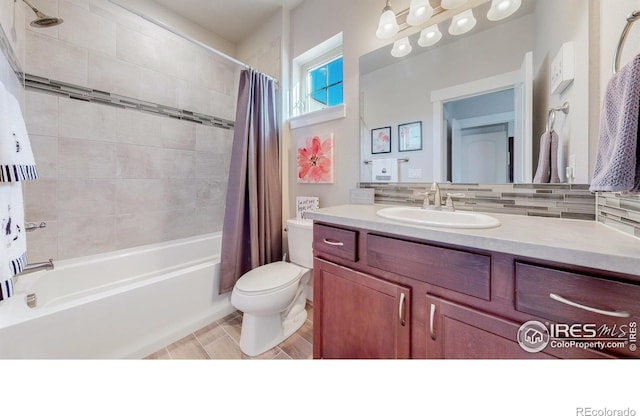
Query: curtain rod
x=188, y=38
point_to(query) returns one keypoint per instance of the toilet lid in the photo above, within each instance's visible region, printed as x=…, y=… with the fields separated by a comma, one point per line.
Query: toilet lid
x=270, y=276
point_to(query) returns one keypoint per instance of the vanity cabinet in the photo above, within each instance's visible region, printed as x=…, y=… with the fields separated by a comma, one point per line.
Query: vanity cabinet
x=378, y=295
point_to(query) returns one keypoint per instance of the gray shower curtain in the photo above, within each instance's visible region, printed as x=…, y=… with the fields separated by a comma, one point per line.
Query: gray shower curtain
x=252, y=230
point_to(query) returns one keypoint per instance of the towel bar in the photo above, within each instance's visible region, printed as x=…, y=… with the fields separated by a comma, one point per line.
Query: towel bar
x=366, y=162
x=623, y=37
x=551, y=116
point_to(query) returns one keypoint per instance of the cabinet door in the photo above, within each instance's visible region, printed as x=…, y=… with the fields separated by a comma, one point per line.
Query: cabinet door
x=456, y=331
x=358, y=316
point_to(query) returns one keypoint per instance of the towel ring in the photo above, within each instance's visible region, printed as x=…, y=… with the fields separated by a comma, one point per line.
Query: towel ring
x=551, y=116
x=623, y=37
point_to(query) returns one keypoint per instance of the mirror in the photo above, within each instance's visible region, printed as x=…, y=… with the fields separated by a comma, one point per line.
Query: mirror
x=479, y=123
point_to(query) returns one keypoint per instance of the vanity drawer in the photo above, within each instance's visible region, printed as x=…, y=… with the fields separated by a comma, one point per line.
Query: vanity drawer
x=568, y=297
x=336, y=241
x=464, y=272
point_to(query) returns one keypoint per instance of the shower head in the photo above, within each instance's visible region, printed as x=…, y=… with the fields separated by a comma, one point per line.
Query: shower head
x=43, y=20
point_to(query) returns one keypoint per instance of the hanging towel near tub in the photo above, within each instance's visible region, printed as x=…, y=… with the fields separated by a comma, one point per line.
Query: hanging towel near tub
x=16, y=158
x=385, y=170
x=617, y=164
x=12, y=233
x=6, y=283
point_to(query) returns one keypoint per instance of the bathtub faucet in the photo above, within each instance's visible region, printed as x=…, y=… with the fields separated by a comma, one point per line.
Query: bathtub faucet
x=34, y=267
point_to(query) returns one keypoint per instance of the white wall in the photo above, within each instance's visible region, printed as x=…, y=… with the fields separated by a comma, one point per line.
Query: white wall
x=12, y=22
x=558, y=22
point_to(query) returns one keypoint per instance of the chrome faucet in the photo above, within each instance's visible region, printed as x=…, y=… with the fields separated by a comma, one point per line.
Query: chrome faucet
x=34, y=267
x=437, y=198
x=432, y=198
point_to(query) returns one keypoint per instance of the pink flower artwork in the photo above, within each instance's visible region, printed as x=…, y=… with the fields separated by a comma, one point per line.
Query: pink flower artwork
x=315, y=160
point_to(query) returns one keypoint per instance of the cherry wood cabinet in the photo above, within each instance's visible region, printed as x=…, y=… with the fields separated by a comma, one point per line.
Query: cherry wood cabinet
x=378, y=295
x=346, y=303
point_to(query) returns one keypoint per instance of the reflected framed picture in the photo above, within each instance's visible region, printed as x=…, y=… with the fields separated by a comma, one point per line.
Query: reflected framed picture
x=410, y=136
x=381, y=140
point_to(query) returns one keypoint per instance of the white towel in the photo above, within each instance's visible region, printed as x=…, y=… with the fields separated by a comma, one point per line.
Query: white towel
x=12, y=233
x=16, y=158
x=385, y=170
x=6, y=284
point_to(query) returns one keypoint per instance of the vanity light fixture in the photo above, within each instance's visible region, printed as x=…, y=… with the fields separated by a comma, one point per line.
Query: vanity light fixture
x=388, y=25
x=501, y=9
x=462, y=23
x=419, y=12
x=452, y=4
x=401, y=48
x=429, y=36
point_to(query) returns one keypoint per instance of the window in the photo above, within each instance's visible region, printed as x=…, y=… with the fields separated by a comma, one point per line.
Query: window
x=318, y=78
x=324, y=84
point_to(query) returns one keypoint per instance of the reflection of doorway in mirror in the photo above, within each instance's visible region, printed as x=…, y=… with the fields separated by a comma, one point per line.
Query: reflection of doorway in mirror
x=481, y=154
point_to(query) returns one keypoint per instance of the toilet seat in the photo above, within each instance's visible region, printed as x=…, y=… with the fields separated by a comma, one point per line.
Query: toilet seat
x=269, y=278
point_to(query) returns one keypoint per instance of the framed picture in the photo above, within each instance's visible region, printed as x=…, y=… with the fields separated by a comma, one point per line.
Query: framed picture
x=315, y=159
x=381, y=140
x=410, y=136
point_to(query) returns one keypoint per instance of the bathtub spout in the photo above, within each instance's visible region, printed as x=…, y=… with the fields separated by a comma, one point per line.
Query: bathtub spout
x=34, y=267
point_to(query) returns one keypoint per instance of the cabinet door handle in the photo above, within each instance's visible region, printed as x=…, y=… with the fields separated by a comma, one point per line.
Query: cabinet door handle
x=620, y=314
x=401, y=309
x=432, y=314
x=332, y=243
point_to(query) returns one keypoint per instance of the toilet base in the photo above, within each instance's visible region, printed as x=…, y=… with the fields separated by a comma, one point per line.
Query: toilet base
x=261, y=333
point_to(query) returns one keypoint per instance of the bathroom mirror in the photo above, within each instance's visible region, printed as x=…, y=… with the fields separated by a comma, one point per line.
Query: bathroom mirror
x=464, y=91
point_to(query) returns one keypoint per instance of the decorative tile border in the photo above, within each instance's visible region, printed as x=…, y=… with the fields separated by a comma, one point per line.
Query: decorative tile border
x=621, y=212
x=542, y=200
x=77, y=92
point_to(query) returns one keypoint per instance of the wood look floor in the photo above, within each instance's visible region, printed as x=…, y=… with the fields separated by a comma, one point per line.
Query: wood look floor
x=220, y=340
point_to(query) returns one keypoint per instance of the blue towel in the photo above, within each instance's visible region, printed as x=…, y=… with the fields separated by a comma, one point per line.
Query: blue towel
x=617, y=162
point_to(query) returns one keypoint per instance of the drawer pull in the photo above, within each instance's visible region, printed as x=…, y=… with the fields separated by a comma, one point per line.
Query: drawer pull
x=401, y=309
x=432, y=314
x=616, y=314
x=333, y=243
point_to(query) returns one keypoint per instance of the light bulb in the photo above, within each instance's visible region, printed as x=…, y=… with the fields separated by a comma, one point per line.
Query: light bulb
x=419, y=12
x=501, y=9
x=388, y=25
x=429, y=36
x=401, y=48
x=462, y=23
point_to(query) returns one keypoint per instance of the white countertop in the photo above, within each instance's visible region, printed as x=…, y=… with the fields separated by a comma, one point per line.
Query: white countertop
x=576, y=242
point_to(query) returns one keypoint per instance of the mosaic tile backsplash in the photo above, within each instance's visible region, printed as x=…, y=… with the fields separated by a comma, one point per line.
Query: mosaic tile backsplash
x=621, y=212
x=542, y=200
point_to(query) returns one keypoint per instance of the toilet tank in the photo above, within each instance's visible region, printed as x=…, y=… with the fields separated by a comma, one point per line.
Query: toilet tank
x=300, y=242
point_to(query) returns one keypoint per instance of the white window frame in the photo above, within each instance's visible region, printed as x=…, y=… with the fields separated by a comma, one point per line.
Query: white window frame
x=305, y=81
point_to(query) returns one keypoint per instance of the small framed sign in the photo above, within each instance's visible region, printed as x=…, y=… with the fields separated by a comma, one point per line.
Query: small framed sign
x=381, y=140
x=410, y=136
x=304, y=204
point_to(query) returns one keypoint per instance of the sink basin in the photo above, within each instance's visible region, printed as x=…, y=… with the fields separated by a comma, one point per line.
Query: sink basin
x=436, y=218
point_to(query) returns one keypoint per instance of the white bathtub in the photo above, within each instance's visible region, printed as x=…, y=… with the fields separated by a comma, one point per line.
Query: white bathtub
x=123, y=304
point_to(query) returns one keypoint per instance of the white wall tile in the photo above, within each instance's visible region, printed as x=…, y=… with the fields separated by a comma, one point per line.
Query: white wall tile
x=55, y=59
x=86, y=198
x=41, y=116
x=45, y=152
x=83, y=120
x=79, y=158
x=83, y=28
x=114, y=76
x=135, y=127
x=85, y=236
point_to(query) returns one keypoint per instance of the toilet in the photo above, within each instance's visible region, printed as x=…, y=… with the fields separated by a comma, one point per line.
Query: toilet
x=272, y=297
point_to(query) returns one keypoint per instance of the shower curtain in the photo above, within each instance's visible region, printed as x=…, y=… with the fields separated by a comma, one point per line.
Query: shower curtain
x=252, y=229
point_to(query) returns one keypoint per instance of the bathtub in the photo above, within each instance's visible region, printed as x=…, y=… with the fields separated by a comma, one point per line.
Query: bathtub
x=122, y=304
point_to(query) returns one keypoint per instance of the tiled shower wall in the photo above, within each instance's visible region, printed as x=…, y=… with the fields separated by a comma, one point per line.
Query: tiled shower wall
x=542, y=200
x=113, y=177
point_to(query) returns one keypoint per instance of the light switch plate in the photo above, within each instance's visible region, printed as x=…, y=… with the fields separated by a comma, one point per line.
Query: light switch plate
x=562, y=68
